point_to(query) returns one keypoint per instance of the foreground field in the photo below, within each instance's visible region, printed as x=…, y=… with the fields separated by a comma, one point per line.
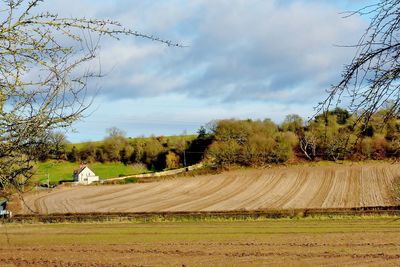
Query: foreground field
x=304, y=242
x=277, y=188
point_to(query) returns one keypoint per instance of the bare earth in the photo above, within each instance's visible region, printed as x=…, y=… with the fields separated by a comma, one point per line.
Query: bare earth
x=276, y=188
x=309, y=242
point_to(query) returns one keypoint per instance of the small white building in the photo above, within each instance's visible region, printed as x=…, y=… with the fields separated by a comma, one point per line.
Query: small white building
x=4, y=213
x=84, y=175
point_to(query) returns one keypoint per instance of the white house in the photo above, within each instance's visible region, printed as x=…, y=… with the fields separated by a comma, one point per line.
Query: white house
x=84, y=175
x=4, y=213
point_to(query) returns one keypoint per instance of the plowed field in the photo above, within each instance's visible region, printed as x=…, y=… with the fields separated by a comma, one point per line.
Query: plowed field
x=309, y=242
x=277, y=188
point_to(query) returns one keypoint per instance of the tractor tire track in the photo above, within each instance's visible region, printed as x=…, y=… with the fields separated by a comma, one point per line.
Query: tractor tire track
x=298, y=187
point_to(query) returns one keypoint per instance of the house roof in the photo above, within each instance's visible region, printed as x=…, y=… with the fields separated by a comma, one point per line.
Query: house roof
x=78, y=171
x=3, y=202
x=81, y=168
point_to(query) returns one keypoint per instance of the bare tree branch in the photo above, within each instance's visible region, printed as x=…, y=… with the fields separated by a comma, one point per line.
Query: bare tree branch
x=43, y=83
x=371, y=80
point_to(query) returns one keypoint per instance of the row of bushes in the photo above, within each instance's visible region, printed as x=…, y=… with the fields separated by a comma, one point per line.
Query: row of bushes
x=157, y=153
x=335, y=135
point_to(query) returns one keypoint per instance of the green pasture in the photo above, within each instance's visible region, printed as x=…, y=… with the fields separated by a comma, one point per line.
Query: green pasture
x=63, y=170
x=128, y=232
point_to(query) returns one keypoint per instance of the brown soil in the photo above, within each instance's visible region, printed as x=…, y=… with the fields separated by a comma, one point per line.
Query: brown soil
x=278, y=188
x=295, y=253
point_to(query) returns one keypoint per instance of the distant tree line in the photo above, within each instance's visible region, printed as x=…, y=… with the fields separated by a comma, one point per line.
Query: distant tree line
x=334, y=135
x=157, y=153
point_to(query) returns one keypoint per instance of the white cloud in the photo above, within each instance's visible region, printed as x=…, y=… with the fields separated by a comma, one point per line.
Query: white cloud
x=239, y=49
x=245, y=57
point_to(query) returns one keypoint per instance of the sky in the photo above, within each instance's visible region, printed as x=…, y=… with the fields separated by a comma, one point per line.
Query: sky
x=242, y=59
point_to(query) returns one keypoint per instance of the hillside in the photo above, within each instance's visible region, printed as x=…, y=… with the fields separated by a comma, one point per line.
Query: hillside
x=276, y=188
x=63, y=170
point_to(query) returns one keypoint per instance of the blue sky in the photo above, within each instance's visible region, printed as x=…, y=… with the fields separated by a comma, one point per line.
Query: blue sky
x=244, y=59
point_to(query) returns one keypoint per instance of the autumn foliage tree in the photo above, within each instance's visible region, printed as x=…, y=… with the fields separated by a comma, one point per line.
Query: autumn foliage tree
x=250, y=143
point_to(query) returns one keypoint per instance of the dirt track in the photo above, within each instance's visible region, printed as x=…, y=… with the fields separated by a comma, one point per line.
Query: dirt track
x=277, y=188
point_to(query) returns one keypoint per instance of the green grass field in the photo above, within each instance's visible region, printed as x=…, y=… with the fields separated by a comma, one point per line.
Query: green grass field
x=63, y=170
x=194, y=230
x=291, y=242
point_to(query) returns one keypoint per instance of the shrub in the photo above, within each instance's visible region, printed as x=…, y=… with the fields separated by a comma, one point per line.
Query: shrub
x=172, y=160
x=131, y=180
x=380, y=146
x=225, y=153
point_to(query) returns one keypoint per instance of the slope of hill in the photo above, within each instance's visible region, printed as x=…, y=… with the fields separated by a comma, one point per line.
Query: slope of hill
x=63, y=170
x=276, y=188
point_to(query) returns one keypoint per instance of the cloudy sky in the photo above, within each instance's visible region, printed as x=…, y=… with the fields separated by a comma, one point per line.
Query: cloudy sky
x=244, y=59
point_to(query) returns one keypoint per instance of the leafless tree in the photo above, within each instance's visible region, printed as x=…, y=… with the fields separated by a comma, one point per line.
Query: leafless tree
x=371, y=80
x=44, y=73
x=308, y=144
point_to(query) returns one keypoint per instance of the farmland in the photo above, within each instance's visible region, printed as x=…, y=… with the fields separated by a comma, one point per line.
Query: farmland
x=337, y=186
x=297, y=242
